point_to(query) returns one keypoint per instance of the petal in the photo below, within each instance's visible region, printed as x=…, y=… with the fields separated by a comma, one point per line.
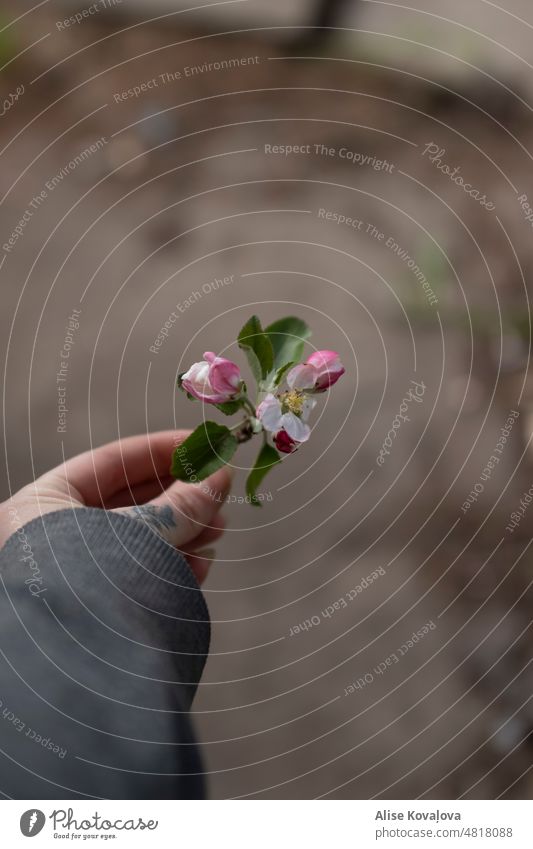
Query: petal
x=269, y=413
x=295, y=427
x=225, y=376
x=198, y=372
x=328, y=369
x=302, y=376
x=308, y=405
x=323, y=359
x=196, y=382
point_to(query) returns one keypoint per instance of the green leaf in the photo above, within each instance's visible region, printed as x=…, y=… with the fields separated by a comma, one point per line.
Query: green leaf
x=207, y=449
x=288, y=336
x=229, y=408
x=278, y=376
x=267, y=458
x=257, y=347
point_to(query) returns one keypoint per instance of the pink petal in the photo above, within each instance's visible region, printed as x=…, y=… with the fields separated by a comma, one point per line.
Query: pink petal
x=224, y=375
x=197, y=383
x=284, y=443
x=323, y=359
x=328, y=369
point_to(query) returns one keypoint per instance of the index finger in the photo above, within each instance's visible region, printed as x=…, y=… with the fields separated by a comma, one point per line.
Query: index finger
x=100, y=473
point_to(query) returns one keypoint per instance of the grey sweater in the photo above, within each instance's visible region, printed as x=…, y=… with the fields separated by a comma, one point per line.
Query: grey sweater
x=104, y=634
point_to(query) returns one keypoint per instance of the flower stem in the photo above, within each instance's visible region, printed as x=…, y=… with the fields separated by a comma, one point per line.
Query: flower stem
x=243, y=430
x=248, y=404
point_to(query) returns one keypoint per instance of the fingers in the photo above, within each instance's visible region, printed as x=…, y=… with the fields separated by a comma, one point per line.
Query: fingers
x=101, y=474
x=194, y=508
x=136, y=469
x=208, y=536
x=200, y=563
x=138, y=493
x=186, y=515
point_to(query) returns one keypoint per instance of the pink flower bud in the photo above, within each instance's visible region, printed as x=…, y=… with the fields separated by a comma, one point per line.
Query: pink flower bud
x=320, y=371
x=215, y=380
x=284, y=443
x=224, y=375
x=329, y=368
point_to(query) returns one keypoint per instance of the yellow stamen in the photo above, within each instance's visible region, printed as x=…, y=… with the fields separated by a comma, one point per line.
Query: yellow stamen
x=293, y=401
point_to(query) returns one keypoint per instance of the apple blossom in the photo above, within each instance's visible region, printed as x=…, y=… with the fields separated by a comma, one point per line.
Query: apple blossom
x=286, y=414
x=279, y=413
x=215, y=380
x=320, y=371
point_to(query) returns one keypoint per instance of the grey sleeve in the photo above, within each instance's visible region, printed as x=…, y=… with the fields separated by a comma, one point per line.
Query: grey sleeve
x=104, y=634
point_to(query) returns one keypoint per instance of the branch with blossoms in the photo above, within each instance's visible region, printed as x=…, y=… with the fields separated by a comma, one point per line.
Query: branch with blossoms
x=284, y=397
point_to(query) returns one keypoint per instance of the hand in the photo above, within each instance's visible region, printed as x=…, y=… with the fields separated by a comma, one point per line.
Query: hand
x=131, y=476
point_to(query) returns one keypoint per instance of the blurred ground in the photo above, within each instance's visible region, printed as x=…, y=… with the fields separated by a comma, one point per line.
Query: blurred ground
x=182, y=193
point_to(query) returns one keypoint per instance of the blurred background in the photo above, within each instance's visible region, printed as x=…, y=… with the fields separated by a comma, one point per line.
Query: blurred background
x=365, y=165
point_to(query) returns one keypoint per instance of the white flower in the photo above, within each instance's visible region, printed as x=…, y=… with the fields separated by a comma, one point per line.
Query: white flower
x=287, y=415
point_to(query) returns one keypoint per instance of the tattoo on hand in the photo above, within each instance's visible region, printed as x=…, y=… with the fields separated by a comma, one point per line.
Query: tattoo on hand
x=160, y=519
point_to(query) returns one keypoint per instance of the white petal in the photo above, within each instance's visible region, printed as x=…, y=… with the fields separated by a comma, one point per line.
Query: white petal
x=197, y=373
x=269, y=413
x=302, y=376
x=308, y=405
x=198, y=378
x=295, y=427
